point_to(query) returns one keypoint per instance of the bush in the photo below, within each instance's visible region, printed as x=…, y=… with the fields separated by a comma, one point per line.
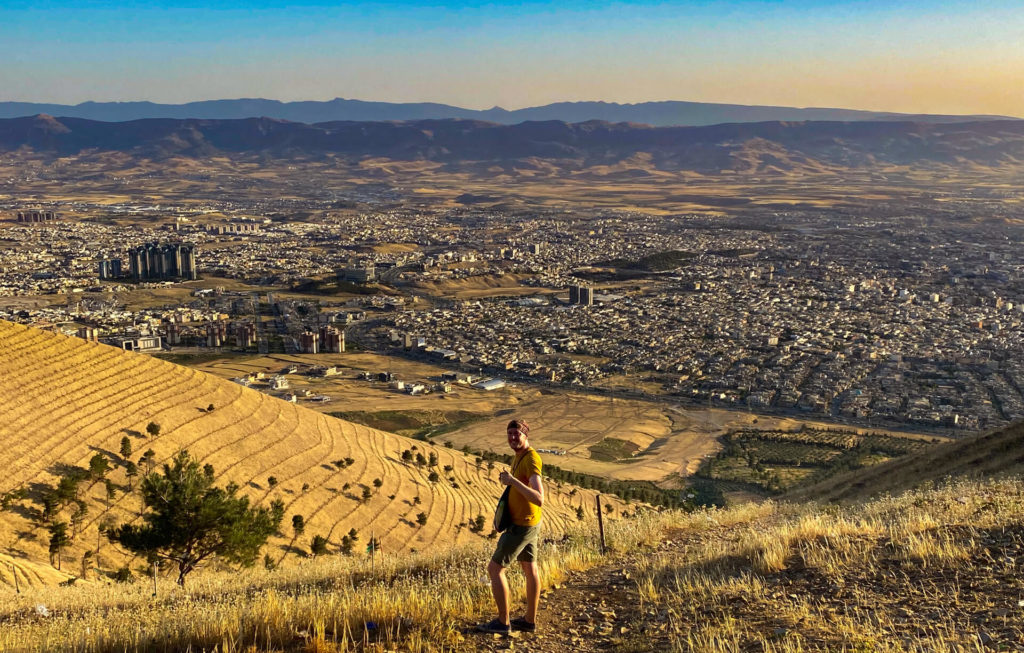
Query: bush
x=421, y=519
x=318, y=546
x=124, y=575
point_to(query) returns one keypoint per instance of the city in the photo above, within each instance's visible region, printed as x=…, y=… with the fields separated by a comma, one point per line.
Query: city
x=894, y=321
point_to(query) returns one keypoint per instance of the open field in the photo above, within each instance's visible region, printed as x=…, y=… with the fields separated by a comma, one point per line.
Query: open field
x=67, y=400
x=652, y=440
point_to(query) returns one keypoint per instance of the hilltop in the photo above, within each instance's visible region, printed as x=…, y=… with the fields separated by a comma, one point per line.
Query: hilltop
x=67, y=400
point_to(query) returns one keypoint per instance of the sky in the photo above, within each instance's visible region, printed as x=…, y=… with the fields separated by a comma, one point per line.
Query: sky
x=929, y=56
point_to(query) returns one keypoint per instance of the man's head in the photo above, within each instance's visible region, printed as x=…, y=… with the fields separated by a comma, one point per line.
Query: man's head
x=518, y=434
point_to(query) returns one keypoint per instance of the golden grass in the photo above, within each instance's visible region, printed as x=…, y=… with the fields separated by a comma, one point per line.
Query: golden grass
x=420, y=602
x=925, y=571
x=919, y=572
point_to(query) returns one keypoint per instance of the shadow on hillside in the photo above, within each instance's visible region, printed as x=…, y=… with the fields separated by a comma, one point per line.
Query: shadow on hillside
x=133, y=433
x=64, y=469
x=294, y=550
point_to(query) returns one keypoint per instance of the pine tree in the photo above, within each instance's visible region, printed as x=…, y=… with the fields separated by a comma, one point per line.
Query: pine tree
x=126, y=447
x=187, y=520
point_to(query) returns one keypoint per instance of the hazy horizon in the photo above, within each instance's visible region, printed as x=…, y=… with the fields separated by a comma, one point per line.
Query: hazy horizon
x=936, y=56
x=473, y=108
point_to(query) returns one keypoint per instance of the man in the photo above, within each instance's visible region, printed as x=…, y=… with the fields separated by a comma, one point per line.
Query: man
x=519, y=541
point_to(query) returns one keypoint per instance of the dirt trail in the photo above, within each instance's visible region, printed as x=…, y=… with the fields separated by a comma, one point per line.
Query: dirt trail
x=601, y=609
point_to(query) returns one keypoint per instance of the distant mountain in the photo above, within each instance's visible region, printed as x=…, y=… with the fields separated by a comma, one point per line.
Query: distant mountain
x=658, y=114
x=599, y=147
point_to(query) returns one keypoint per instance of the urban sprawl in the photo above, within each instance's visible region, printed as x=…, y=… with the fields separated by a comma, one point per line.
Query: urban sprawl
x=883, y=320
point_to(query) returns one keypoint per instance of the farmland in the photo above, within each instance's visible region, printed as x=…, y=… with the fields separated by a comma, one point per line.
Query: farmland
x=772, y=461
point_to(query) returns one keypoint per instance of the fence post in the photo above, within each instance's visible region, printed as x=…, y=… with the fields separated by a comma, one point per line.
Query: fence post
x=14, y=572
x=600, y=523
x=153, y=566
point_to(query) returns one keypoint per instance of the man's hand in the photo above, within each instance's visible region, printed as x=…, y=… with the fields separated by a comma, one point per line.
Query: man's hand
x=505, y=478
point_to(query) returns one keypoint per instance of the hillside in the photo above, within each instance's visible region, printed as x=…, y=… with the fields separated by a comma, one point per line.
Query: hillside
x=541, y=147
x=65, y=400
x=932, y=570
x=993, y=453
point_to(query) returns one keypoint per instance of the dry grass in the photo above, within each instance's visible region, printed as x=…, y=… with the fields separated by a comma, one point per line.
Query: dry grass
x=932, y=570
x=419, y=602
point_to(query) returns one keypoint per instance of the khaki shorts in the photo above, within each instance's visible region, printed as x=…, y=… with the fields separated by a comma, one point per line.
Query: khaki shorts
x=517, y=543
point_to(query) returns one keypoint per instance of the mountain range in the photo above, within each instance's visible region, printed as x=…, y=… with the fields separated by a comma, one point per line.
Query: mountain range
x=659, y=114
x=738, y=147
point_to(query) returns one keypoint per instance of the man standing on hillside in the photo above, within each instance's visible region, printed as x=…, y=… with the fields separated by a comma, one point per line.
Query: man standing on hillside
x=519, y=541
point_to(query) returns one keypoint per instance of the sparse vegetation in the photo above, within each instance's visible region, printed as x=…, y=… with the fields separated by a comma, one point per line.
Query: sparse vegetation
x=776, y=461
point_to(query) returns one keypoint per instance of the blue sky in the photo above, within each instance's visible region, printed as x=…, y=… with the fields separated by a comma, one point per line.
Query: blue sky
x=930, y=56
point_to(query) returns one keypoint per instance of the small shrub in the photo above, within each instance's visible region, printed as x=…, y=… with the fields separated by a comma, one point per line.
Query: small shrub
x=124, y=575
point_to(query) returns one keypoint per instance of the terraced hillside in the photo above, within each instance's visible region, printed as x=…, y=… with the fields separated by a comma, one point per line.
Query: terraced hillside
x=999, y=452
x=66, y=400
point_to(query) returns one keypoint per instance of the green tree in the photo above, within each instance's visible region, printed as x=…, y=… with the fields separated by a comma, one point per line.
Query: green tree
x=318, y=546
x=153, y=429
x=366, y=493
x=188, y=520
x=298, y=524
x=377, y=483
x=98, y=466
x=58, y=540
x=272, y=481
x=346, y=545
x=433, y=460
x=131, y=470
x=421, y=519
x=148, y=459
x=579, y=513
x=126, y=447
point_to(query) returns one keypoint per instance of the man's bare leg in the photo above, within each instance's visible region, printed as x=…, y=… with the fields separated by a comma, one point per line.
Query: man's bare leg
x=532, y=590
x=499, y=588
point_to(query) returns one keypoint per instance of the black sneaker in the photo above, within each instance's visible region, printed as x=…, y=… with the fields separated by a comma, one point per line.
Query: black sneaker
x=494, y=626
x=523, y=625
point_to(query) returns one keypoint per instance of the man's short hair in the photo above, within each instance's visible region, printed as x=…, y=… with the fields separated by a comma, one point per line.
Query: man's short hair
x=523, y=427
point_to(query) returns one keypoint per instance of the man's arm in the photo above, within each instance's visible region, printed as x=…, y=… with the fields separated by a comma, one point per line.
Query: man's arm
x=534, y=492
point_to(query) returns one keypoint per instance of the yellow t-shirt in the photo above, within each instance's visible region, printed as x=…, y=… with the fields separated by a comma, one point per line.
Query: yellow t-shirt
x=524, y=466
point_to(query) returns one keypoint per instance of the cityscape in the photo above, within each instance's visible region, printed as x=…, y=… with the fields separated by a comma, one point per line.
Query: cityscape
x=897, y=321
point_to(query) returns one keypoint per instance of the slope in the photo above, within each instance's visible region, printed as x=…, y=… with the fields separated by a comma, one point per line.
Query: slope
x=998, y=452
x=66, y=400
